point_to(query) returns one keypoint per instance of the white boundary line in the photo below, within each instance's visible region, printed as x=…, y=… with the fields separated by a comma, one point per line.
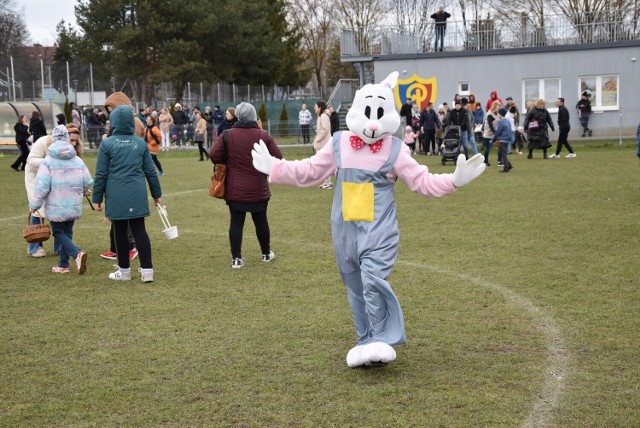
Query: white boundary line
x=558, y=367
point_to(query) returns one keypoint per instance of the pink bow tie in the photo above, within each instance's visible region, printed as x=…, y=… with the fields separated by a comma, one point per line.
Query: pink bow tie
x=357, y=143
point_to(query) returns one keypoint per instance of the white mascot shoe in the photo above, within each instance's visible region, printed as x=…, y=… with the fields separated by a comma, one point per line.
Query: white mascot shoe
x=376, y=353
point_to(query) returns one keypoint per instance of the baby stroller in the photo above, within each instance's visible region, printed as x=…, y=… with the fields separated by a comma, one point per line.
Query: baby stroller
x=451, y=144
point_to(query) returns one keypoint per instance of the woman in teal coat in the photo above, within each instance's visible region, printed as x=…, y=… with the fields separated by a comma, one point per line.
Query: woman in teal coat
x=123, y=169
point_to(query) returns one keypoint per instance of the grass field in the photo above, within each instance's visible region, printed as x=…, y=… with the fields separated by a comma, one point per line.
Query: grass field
x=520, y=293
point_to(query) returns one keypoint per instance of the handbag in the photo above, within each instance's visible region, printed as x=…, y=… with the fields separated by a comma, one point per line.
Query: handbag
x=533, y=124
x=33, y=233
x=216, y=188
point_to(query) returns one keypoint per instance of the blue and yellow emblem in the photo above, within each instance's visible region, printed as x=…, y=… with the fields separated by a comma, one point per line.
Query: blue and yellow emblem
x=418, y=89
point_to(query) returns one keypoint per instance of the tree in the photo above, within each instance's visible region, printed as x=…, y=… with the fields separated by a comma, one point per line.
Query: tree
x=250, y=42
x=315, y=17
x=336, y=69
x=262, y=114
x=142, y=42
x=64, y=54
x=67, y=110
x=13, y=32
x=291, y=67
x=361, y=16
x=284, y=120
x=414, y=16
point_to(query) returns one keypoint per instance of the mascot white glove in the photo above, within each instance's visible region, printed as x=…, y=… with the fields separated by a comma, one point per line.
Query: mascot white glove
x=467, y=170
x=261, y=158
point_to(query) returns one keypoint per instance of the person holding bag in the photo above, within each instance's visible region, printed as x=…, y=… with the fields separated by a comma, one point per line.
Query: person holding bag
x=62, y=182
x=536, y=123
x=246, y=189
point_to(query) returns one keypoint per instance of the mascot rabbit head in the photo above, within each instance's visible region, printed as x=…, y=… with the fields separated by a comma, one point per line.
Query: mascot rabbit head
x=373, y=113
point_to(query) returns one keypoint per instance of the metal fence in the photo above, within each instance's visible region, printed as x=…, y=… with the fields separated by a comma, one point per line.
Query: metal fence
x=497, y=33
x=31, y=81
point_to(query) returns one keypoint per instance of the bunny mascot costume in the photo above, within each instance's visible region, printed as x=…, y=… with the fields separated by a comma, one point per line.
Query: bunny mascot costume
x=367, y=160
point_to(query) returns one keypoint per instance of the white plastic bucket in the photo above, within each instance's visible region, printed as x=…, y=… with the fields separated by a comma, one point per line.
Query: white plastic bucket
x=171, y=232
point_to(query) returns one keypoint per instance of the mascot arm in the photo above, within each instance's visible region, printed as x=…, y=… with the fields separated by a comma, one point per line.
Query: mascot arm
x=418, y=178
x=305, y=172
x=468, y=170
x=263, y=155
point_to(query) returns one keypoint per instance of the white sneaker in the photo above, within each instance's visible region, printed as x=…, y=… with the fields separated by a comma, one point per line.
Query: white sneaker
x=39, y=253
x=268, y=257
x=81, y=262
x=554, y=156
x=121, y=275
x=146, y=275
x=237, y=263
x=570, y=155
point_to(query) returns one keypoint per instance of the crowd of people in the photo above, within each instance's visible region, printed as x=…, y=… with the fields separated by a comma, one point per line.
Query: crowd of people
x=128, y=145
x=425, y=129
x=177, y=128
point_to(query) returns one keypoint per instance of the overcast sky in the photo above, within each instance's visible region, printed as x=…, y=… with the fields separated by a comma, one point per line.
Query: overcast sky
x=42, y=16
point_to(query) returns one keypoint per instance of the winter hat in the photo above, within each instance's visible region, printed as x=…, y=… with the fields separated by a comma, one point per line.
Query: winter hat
x=246, y=112
x=62, y=120
x=60, y=134
x=502, y=112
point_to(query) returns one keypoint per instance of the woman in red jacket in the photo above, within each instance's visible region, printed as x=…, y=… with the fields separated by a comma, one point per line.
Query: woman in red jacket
x=246, y=188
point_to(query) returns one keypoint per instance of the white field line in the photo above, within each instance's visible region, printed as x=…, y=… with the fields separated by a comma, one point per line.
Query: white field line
x=555, y=371
x=557, y=367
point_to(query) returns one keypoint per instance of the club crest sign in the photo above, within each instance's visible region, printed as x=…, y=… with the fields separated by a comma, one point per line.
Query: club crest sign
x=418, y=89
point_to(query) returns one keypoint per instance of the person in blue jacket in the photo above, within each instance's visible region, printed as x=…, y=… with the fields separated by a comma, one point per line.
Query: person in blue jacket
x=123, y=169
x=503, y=136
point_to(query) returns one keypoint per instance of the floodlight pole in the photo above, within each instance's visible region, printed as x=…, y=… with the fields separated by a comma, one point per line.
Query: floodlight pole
x=42, y=75
x=13, y=81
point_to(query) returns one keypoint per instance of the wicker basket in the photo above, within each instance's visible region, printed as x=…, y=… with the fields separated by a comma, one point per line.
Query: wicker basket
x=36, y=232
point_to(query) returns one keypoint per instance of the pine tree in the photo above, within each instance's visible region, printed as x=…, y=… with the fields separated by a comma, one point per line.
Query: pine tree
x=284, y=120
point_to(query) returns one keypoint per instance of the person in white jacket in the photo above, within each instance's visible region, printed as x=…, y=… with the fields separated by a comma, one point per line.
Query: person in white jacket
x=37, y=154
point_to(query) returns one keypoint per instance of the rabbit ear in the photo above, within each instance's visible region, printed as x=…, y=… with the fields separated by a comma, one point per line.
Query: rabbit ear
x=391, y=80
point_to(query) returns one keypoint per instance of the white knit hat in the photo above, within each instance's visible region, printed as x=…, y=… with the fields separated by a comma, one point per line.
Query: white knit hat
x=60, y=134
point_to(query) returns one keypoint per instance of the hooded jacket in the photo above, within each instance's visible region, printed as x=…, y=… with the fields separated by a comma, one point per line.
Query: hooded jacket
x=61, y=183
x=492, y=98
x=121, y=99
x=124, y=163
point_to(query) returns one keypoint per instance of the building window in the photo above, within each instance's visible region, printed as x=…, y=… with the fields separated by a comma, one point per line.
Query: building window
x=548, y=89
x=463, y=89
x=603, y=91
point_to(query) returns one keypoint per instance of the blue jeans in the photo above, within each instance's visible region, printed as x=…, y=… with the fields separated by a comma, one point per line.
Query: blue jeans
x=487, y=148
x=440, y=31
x=513, y=140
x=63, y=233
x=468, y=142
x=32, y=248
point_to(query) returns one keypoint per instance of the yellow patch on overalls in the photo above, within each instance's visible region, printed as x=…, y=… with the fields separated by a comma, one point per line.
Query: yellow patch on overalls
x=357, y=201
